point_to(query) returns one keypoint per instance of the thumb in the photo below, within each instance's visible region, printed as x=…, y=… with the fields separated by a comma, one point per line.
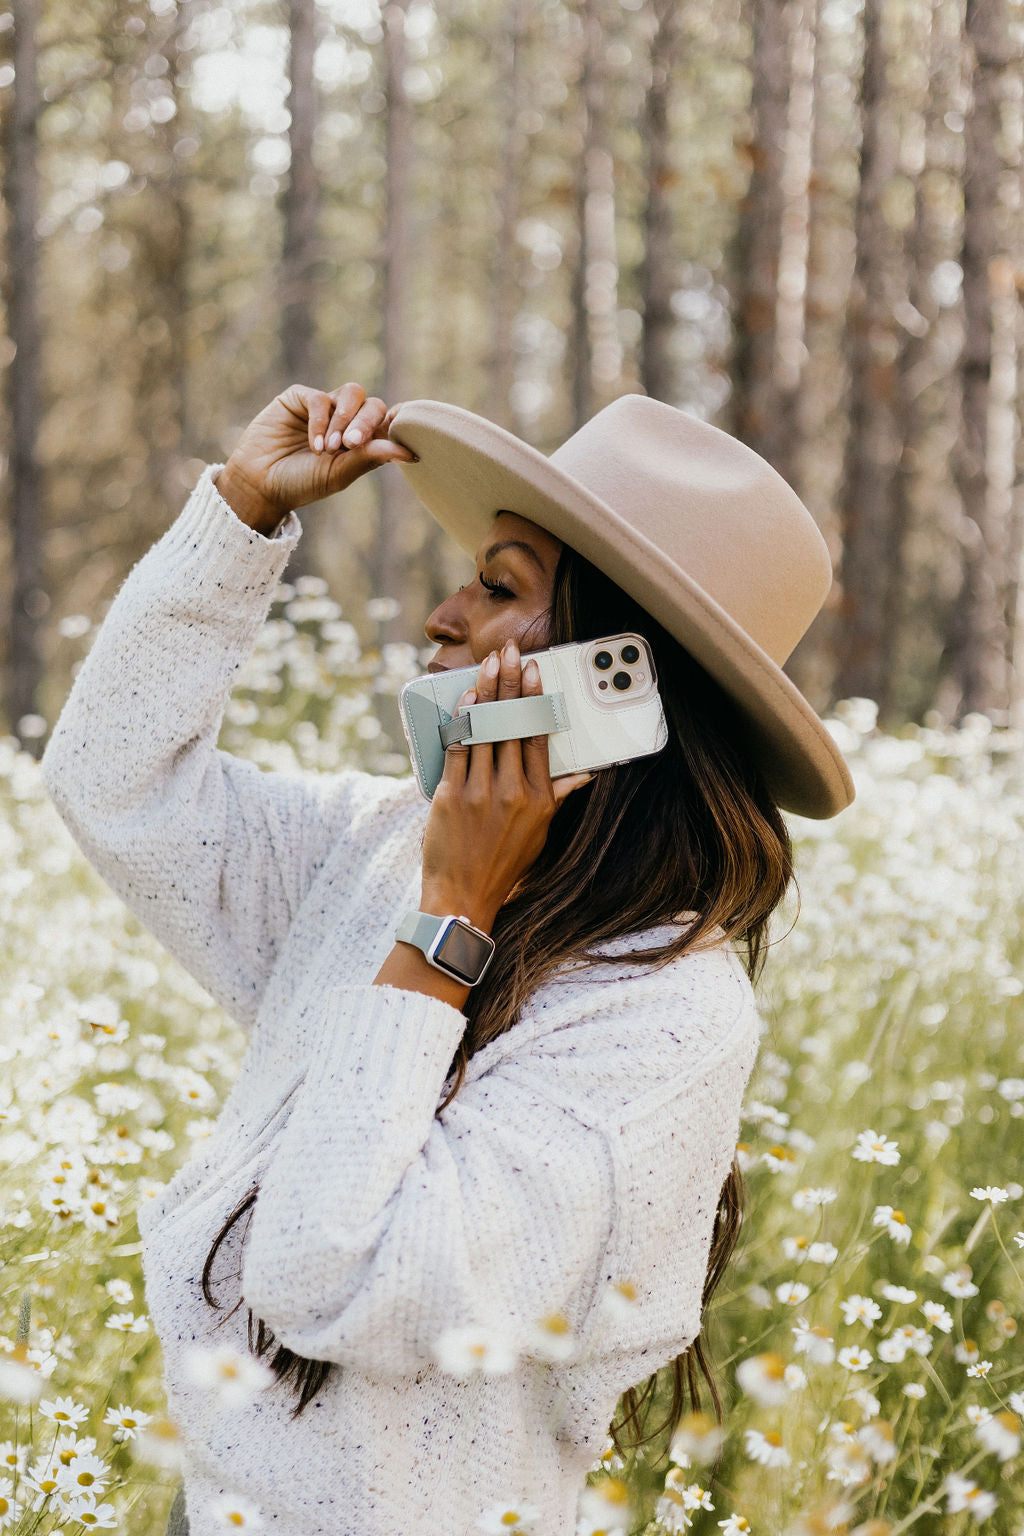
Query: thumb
x=564, y=787
x=386, y=450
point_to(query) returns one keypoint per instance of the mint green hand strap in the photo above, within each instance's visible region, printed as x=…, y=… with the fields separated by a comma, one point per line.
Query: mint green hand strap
x=419, y=928
x=537, y=714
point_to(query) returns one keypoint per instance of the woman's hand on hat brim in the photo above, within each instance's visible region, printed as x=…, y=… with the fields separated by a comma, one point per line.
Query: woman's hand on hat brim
x=311, y=443
x=492, y=807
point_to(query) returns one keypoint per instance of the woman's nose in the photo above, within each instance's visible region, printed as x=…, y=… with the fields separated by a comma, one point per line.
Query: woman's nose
x=444, y=623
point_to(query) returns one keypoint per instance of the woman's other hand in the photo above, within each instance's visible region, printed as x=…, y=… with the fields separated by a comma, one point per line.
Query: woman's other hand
x=305, y=445
x=491, y=810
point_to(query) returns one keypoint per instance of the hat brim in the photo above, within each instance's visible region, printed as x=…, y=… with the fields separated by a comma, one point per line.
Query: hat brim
x=469, y=469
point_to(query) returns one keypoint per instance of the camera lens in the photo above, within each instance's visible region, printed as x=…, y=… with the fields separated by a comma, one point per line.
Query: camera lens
x=621, y=681
x=604, y=659
x=629, y=654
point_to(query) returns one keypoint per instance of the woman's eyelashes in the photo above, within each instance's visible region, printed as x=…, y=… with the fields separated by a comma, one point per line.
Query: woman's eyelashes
x=495, y=588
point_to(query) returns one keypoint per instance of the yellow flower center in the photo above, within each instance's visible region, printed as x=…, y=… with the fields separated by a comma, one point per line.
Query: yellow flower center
x=899, y=1216
x=773, y=1437
x=510, y=1517
x=556, y=1322
x=234, y=1518
x=86, y=1479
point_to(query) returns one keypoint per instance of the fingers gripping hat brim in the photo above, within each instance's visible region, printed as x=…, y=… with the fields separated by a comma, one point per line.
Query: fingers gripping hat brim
x=469, y=469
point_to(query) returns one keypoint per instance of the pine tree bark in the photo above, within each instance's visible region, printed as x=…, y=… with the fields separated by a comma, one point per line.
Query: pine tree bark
x=501, y=364
x=28, y=598
x=657, y=269
x=387, y=565
x=596, y=356
x=758, y=240
x=872, y=449
x=980, y=643
x=300, y=212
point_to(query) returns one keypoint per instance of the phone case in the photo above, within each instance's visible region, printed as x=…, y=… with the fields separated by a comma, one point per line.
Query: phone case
x=600, y=730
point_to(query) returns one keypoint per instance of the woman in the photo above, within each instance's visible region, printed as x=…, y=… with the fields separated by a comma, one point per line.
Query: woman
x=461, y=1220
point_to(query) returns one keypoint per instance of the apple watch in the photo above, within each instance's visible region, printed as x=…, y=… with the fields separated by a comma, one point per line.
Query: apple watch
x=451, y=944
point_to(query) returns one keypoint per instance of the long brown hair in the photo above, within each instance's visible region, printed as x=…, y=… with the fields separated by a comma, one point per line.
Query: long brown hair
x=690, y=829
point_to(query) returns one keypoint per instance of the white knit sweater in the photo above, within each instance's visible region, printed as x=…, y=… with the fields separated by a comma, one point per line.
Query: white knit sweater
x=587, y=1146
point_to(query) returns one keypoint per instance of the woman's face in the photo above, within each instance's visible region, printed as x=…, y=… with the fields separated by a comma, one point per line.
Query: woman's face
x=518, y=557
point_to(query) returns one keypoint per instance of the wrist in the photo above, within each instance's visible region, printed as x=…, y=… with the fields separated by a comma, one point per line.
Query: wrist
x=246, y=502
x=445, y=902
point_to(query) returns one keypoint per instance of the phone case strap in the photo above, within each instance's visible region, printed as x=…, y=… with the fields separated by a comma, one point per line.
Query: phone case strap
x=537, y=714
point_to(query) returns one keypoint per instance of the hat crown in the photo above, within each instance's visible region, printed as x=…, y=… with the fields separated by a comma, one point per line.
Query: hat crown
x=712, y=506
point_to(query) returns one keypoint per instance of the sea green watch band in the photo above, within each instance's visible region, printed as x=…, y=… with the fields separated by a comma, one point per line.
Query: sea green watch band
x=419, y=928
x=536, y=714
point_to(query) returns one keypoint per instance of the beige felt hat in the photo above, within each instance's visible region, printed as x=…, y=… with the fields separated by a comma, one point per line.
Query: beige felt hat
x=692, y=523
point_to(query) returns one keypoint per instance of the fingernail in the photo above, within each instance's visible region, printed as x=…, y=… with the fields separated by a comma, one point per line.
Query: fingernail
x=510, y=650
x=492, y=664
x=353, y=438
x=318, y=444
x=334, y=441
x=469, y=697
x=531, y=671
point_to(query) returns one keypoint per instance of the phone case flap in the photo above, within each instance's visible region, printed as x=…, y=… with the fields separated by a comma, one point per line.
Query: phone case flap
x=505, y=719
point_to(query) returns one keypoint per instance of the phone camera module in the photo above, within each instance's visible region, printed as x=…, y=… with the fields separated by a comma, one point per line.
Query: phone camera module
x=604, y=660
x=622, y=681
x=629, y=654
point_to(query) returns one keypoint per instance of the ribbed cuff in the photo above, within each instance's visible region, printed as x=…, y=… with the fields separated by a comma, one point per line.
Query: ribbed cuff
x=212, y=546
x=394, y=1045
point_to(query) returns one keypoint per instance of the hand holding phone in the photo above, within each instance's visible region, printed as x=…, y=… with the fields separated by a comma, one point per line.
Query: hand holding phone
x=492, y=806
x=601, y=706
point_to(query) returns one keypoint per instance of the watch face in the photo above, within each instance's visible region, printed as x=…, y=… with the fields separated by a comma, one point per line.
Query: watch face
x=464, y=953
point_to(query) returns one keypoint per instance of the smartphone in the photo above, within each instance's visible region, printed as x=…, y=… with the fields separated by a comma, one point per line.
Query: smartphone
x=605, y=694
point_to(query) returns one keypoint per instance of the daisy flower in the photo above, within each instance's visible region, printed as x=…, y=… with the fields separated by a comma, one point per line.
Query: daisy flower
x=126, y=1421
x=917, y=1339
x=767, y=1449
x=85, y=1474
x=89, y=1513
x=792, y=1292
x=620, y=1300
x=894, y=1222
x=19, y=1383
x=878, y=1440
x=990, y=1192
x=822, y=1253
x=64, y=1411
x=779, y=1160
x=1000, y=1433
x=873, y=1148
x=958, y=1283
x=231, y=1512
x=119, y=1291
x=814, y=1341
x=979, y=1368
x=967, y=1352
x=867, y=1402
x=695, y=1436
x=552, y=1338
x=511, y=1519
x=848, y=1462
x=606, y=1507
x=462, y=1351
x=127, y=1322
x=961, y=1493
x=937, y=1316
x=915, y=1390
x=810, y=1197
x=855, y=1358
x=762, y=1377
x=160, y=1444
x=736, y=1525
x=860, y=1309
x=233, y=1377
x=10, y=1509
x=1018, y=1238
x=897, y=1293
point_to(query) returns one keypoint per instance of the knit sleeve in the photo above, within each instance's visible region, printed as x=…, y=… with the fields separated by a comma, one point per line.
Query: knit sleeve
x=212, y=854
x=380, y=1228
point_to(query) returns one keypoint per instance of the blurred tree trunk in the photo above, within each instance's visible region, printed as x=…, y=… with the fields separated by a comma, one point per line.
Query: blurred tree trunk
x=164, y=243
x=758, y=240
x=657, y=271
x=387, y=565
x=922, y=161
x=28, y=598
x=980, y=642
x=501, y=365
x=596, y=356
x=872, y=552
x=300, y=211
x=785, y=434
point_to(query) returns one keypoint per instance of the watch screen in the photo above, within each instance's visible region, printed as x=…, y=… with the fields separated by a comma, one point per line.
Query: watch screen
x=463, y=953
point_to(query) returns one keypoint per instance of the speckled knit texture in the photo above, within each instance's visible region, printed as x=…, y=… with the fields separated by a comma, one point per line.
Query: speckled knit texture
x=587, y=1145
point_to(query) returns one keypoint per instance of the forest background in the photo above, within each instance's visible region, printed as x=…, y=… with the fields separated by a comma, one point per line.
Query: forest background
x=800, y=221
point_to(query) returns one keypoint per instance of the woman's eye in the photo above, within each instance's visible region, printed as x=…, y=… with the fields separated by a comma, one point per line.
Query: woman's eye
x=495, y=587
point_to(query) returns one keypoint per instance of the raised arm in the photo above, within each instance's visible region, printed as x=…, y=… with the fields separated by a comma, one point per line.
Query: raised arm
x=211, y=854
